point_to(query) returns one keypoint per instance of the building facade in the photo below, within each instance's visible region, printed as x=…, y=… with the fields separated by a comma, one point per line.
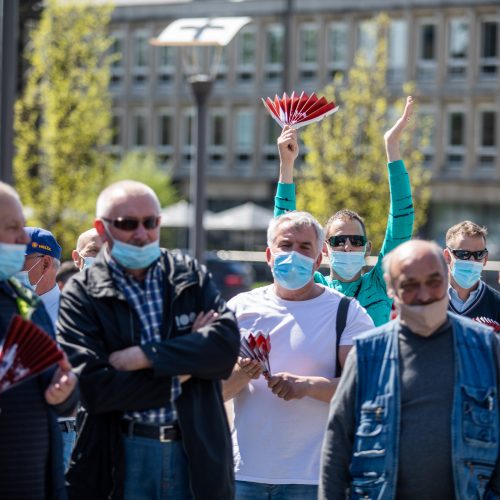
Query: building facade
x=452, y=52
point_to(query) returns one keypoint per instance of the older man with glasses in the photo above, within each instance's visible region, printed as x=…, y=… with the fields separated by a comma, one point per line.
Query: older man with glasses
x=466, y=255
x=137, y=324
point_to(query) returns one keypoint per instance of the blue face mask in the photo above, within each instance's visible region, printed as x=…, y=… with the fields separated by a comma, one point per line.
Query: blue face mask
x=466, y=272
x=12, y=257
x=347, y=264
x=87, y=262
x=292, y=270
x=133, y=257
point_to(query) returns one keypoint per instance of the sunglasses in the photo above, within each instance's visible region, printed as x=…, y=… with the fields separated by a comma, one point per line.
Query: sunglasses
x=467, y=254
x=132, y=223
x=357, y=240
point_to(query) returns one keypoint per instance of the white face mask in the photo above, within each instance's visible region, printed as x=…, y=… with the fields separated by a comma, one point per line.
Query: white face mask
x=24, y=278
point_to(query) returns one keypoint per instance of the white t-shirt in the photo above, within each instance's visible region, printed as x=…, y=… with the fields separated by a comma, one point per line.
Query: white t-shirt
x=277, y=441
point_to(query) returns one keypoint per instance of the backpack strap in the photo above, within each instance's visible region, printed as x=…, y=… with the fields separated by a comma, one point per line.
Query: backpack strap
x=341, y=321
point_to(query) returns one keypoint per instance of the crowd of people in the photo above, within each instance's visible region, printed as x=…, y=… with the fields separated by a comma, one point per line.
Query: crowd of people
x=354, y=404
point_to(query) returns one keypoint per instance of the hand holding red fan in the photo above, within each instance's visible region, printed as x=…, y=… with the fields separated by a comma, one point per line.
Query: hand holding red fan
x=257, y=346
x=298, y=111
x=26, y=351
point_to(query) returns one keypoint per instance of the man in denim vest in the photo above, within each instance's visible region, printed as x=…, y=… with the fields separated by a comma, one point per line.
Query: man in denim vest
x=416, y=413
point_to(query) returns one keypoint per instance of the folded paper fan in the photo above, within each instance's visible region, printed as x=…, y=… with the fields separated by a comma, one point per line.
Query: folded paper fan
x=489, y=322
x=25, y=352
x=299, y=110
x=256, y=346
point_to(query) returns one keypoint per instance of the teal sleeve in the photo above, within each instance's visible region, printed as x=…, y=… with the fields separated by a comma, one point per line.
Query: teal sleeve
x=401, y=213
x=284, y=201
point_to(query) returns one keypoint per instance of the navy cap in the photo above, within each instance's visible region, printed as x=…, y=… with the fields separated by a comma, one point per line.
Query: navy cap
x=42, y=241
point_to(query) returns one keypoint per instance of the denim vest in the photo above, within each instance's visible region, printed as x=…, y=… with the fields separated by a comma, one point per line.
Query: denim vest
x=474, y=419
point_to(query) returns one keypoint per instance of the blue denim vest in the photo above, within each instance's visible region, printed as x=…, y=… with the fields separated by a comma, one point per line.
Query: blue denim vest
x=474, y=419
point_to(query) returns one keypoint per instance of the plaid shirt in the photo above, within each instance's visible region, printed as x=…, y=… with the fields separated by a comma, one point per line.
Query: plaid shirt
x=146, y=297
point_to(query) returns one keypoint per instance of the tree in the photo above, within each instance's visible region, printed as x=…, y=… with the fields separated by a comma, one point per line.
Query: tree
x=345, y=163
x=62, y=120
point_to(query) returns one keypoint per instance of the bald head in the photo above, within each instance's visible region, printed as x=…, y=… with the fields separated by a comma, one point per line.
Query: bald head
x=87, y=238
x=11, y=217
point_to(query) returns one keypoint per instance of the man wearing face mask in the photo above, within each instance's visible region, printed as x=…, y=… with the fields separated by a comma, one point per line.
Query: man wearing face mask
x=279, y=423
x=31, y=462
x=416, y=414
x=151, y=337
x=43, y=259
x=346, y=242
x=466, y=255
x=88, y=245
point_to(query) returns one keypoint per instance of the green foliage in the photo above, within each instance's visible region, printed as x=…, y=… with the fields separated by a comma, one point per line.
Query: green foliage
x=62, y=120
x=143, y=167
x=346, y=161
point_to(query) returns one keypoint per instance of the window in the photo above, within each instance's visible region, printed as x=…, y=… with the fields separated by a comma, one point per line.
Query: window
x=398, y=44
x=426, y=57
x=166, y=65
x=337, y=49
x=489, y=61
x=117, y=52
x=116, y=131
x=455, y=150
x=458, y=42
x=308, y=52
x=270, y=151
x=425, y=134
x=274, y=52
x=217, y=137
x=165, y=135
x=244, y=135
x=139, y=130
x=487, y=150
x=140, y=59
x=367, y=40
x=187, y=136
x=246, y=49
x=220, y=56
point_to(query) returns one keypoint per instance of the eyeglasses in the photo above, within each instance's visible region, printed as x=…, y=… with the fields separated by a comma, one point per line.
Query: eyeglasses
x=357, y=240
x=467, y=254
x=132, y=223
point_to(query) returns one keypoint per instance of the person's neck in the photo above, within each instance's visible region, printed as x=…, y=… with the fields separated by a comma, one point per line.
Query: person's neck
x=308, y=292
x=463, y=293
x=138, y=274
x=44, y=287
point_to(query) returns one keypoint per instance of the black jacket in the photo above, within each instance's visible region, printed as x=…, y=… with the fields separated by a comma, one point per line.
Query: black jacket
x=95, y=320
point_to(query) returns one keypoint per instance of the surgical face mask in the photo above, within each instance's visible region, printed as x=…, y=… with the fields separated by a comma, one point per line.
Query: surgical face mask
x=87, y=262
x=423, y=319
x=24, y=278
x=12, y=257
x=347, y=264
x=133, y=257
x=292, y=270
x=466, y=272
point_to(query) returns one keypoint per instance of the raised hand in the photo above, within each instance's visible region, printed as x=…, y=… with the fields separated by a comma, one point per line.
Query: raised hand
x=288, y=148
x=392, y=136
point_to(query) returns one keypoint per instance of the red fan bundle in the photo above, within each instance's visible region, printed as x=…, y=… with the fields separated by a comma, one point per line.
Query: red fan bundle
x=26, y=351
x=299, y=110
x=488, y=322
x=257, y=346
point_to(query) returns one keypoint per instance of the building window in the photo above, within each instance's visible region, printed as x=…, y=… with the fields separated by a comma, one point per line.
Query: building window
x=117, y=52
x=187, y=136
x=455, y=150
x=140, y=59
x=244, y=135
x=116, y=131
x=425, y=134
x=487, y=150
x=398, y=54
x=274, y=52
x=337, y=49
x=426, y=58
x=489, y=61
x=308, y=51
x=458, y=43
x=217, y=138
x=367, y=40
x=270, y=151
x=165, y=136
x=139, y=131
x=165, y=65
x=221, y=57
x=246, y=50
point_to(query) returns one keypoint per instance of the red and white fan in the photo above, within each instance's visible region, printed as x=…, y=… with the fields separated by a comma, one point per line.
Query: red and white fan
x=488, y=322
x=257, y=346
x=26, y=351
x=299, y=110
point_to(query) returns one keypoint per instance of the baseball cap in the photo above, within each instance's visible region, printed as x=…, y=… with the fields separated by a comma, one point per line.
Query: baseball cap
x=42, y=241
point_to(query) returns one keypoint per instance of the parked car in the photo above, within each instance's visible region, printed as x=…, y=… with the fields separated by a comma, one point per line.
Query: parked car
x=231, y=277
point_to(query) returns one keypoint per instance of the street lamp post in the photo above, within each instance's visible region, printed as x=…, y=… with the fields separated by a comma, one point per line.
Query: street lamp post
x=191, y=33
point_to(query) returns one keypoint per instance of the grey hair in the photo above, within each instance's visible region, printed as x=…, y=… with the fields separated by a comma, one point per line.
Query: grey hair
x=121, y=189
x=296, y=220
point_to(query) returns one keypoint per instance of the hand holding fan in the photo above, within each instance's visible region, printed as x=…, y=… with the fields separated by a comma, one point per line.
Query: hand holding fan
x=257, y=346
x=298, y=111
x=26, y=351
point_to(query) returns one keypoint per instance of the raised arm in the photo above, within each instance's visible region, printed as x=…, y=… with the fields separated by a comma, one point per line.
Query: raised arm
x=392, y=136
x=288, y=148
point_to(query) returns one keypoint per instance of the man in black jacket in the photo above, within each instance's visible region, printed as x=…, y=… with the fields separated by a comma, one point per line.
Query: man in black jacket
x=151, y=339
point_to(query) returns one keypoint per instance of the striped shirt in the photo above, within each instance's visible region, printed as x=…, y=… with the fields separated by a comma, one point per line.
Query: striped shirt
x=146, y=298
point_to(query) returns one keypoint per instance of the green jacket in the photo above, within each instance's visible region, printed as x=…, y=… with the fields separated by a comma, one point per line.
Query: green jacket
x=369, y=289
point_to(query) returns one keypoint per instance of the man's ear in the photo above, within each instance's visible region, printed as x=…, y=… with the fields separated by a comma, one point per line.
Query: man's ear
x=368, y=249
x=447, y=256
x=325, y=250
x=268, y=256
x=75, y=257
x=99, y=227
x=319, y=260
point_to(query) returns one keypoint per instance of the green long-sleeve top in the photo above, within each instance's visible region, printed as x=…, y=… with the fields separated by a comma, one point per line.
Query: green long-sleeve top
x=370, y=288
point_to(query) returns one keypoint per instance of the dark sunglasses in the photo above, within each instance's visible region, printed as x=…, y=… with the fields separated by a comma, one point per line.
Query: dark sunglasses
x=132, y=223
x=467, y=254
x=357, y=240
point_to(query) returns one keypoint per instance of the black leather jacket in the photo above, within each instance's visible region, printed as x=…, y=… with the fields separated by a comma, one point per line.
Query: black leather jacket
x=95, y=320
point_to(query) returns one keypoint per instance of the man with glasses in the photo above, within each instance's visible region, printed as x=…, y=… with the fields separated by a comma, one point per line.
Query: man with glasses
x=151, y=338
x=347, y=245
x=466, y=255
